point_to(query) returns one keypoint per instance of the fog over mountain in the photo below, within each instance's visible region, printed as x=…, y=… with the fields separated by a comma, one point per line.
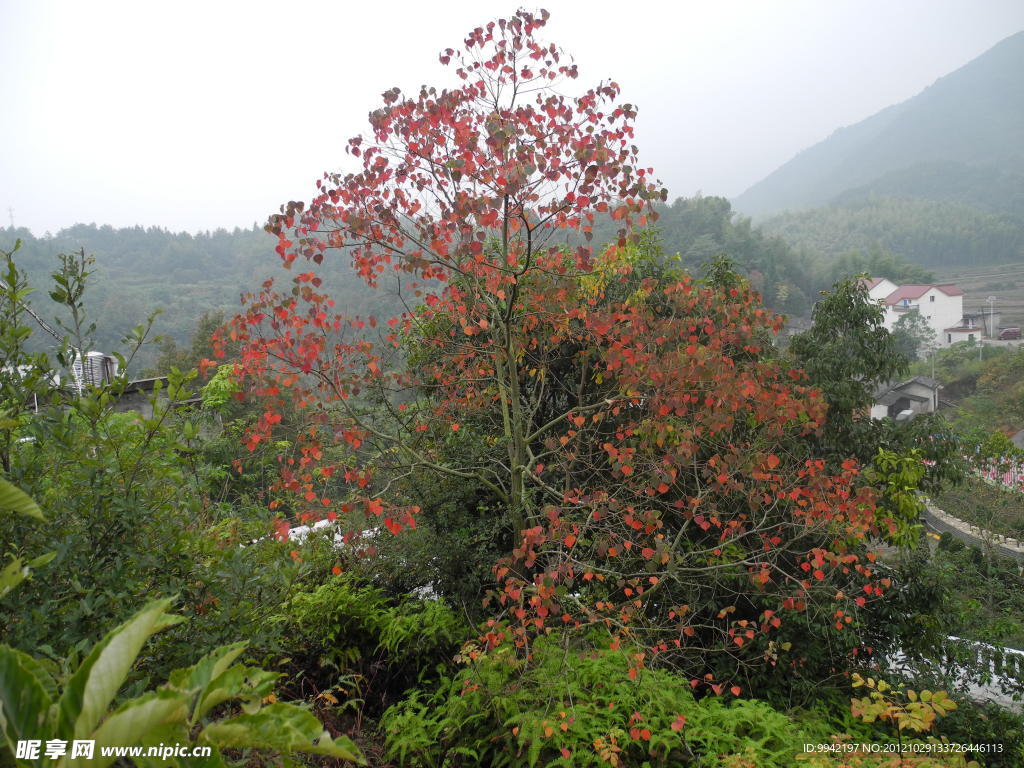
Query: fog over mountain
x=961, y=139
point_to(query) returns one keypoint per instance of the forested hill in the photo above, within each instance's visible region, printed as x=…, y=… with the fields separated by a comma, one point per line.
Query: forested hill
x=139, y=270
x=933, y=233
x=962, y=138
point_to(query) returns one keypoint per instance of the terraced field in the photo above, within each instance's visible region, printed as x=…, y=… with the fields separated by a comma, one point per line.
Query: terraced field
x=1005, y=282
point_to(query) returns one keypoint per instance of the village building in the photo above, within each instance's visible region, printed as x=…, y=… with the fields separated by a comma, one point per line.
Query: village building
x=941, y=306
x=907, y=399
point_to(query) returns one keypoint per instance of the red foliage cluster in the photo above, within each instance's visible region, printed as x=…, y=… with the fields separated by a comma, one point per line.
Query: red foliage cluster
x=633, y=427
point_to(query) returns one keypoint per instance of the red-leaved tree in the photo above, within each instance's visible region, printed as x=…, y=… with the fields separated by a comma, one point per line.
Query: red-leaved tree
x=637, y=437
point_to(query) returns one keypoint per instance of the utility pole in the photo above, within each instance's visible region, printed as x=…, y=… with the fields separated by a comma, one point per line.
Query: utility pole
x=10, y=213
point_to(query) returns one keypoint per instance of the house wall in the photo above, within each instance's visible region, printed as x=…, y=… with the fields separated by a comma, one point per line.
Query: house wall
x=883, y=289
x=921, y=390
x=944, y=312
x=939, y=310
x=952, y=337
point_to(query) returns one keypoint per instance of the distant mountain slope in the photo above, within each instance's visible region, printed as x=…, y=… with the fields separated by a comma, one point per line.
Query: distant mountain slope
x=970, y=121
x=932, y=233
x=138, y=271
x=992, y=190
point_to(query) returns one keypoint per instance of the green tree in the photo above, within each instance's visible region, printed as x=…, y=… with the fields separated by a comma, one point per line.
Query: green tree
x=201, y=347
x=848, y=353
x=914, y=337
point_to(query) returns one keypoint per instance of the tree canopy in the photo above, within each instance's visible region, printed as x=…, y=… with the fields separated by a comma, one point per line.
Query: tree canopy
x=638, y=441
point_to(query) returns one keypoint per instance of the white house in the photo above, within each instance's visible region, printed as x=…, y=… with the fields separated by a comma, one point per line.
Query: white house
x=879, y=287
x=941, y=306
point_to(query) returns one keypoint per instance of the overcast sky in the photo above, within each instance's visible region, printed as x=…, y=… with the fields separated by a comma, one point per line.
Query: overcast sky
x=198, y=115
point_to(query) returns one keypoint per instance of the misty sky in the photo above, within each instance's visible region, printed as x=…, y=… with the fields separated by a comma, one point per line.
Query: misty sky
x=198, y=115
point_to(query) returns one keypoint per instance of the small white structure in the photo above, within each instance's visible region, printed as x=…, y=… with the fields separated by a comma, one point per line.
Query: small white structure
x=93, y=369
x=906, y=399
x=941, y=306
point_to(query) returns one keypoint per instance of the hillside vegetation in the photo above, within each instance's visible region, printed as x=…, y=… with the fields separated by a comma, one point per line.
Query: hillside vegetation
x=138, y=271
x=932, y=233
x=185, y=276
x=549, y=504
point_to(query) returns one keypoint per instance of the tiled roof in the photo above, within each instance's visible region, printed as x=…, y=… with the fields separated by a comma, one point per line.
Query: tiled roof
x=917, y=291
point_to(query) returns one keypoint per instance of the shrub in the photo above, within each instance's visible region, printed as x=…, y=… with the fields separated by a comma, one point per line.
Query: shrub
x=569, y=707
x=356, y=632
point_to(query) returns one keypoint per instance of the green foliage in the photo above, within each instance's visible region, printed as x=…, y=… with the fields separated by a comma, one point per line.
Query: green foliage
x=991, y=189
x=133, y=501
x=931, y=233
x=172, y=356
x=986, y=383
x=847, y=353
x=900, y=478
x=13, y=499
x=33, y=705
x=220, y=389
x=878, y=263
x=347, y=630
x=990, y=506
x=986, y=723
x=985, y=593
x=194, y=279
x=700, y=229
x=913, y=335
x=577, y=707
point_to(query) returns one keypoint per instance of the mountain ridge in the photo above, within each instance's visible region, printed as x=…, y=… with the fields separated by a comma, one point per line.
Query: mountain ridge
x=972, y=117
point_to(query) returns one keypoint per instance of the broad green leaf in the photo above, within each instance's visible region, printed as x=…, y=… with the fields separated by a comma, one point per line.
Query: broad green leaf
x=39, y=562
x=212, y=679
x=284, y=728
x=91, y=689
x=16, y=500
x=12, y=575
x=249, y=684
x=16, y=572
x=212, y=665
x=24, y=697
x=144, y=721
